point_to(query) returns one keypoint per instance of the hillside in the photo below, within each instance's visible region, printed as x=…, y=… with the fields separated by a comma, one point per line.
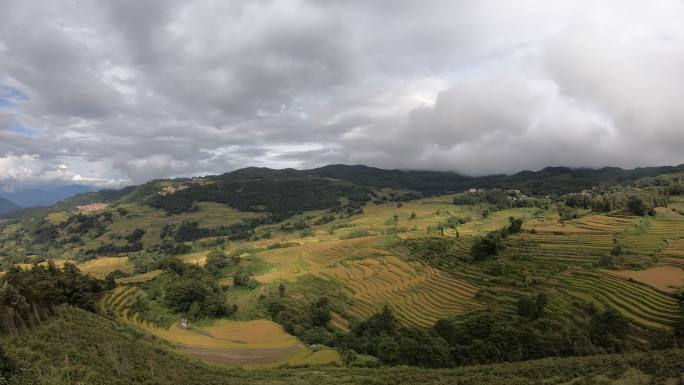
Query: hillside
x=355, y=266
x=282, y=193
x=79, y=347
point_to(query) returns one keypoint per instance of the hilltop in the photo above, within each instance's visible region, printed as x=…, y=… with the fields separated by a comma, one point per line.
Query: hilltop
x=289, y=191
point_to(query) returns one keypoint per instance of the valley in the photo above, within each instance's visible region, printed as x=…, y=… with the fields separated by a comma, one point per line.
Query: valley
x=299, y=291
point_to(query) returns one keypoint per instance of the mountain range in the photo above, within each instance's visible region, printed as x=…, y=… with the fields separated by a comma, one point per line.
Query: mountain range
x=6, y=206
x=23, y=196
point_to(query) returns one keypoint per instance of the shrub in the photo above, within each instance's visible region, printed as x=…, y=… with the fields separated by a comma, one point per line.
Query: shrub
x=244, y=278
x=489, y=245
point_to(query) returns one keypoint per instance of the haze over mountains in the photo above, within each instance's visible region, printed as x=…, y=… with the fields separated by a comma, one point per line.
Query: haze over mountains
x=319, y=187
x=6, y=206
x=24, y=196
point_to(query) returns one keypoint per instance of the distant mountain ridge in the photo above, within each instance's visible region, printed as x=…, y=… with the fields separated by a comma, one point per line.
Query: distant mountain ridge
x=285, y=192
x=6, y=206
x=42, y=195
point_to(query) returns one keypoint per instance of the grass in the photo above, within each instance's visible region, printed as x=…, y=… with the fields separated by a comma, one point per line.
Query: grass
x=99, y=268
x=80, y=347
x=356, y=259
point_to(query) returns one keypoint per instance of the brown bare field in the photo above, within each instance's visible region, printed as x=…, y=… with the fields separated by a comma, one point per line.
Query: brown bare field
x=242, y=356
x=664, y=278
x=225, y=334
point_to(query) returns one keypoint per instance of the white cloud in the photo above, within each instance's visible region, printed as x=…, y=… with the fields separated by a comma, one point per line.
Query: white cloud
x=133, y=90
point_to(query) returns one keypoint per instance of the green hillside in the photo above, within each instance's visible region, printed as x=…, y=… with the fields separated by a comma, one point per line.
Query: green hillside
x=77, y=347
x=356, y=267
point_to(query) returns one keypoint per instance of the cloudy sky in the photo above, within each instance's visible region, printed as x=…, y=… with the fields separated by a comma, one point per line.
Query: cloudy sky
x=121, y=91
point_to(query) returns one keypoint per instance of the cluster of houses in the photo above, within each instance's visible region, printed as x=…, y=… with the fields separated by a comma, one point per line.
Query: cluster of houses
x=92, y=207
x=169, y=190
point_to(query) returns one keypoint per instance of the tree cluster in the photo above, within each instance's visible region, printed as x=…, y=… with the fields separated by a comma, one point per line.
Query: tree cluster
x=27, y=296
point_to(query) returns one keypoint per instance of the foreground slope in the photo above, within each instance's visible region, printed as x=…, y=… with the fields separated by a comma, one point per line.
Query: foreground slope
x=383, y=266
x=80, y=347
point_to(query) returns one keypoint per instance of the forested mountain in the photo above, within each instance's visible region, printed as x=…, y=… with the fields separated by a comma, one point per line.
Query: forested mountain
x=288, y=191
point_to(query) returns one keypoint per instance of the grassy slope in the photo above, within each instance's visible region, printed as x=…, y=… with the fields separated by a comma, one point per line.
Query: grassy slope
x=363, y=268
x=79, y=347
x=368, y=272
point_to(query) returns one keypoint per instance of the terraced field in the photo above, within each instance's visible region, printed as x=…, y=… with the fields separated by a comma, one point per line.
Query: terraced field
x=373, y=277
x=99, y=268
x=673, y=252
x=138, y=278
x=291, y=262
x=641, y=304
x=416, y=293
x=226, y=342
x=665, y=278
x=582, y=242
x=120, y=300
x=573, y=249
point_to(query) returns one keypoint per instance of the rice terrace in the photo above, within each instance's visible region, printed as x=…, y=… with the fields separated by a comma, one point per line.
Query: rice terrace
x=296, y=192
x=356, y=284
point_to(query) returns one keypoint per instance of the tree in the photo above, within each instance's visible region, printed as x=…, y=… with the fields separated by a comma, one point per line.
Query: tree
x=7, y=367
x=244, y=278
x=609, y=330
x=527, y=307
x=637, y=206
x=320, y=312
x=486, y=246
x=515, y=225
x=110, y=282
x=180, y=296
x=195, y=296
x=678, y=331
x=616, y=251
x=348, y=356
x=566, y=213
x=532, y=307
x=217, y=261
x=388, y=350
x=421, y=347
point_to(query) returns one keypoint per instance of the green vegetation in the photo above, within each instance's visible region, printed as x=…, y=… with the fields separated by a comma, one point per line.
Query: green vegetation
x=363, y=269
x=30, y=296
x=60, y=352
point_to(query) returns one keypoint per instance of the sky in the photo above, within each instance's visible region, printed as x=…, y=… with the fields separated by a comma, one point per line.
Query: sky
x=114, y=92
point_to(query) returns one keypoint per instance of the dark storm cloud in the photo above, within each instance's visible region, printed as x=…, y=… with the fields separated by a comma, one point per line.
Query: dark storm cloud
x=112, y=91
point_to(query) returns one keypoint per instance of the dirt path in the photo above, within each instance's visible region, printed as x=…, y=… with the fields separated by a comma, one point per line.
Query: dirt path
x=241, y=356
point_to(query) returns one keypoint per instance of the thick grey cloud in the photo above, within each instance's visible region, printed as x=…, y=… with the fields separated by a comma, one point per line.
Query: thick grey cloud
x=122, y=91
